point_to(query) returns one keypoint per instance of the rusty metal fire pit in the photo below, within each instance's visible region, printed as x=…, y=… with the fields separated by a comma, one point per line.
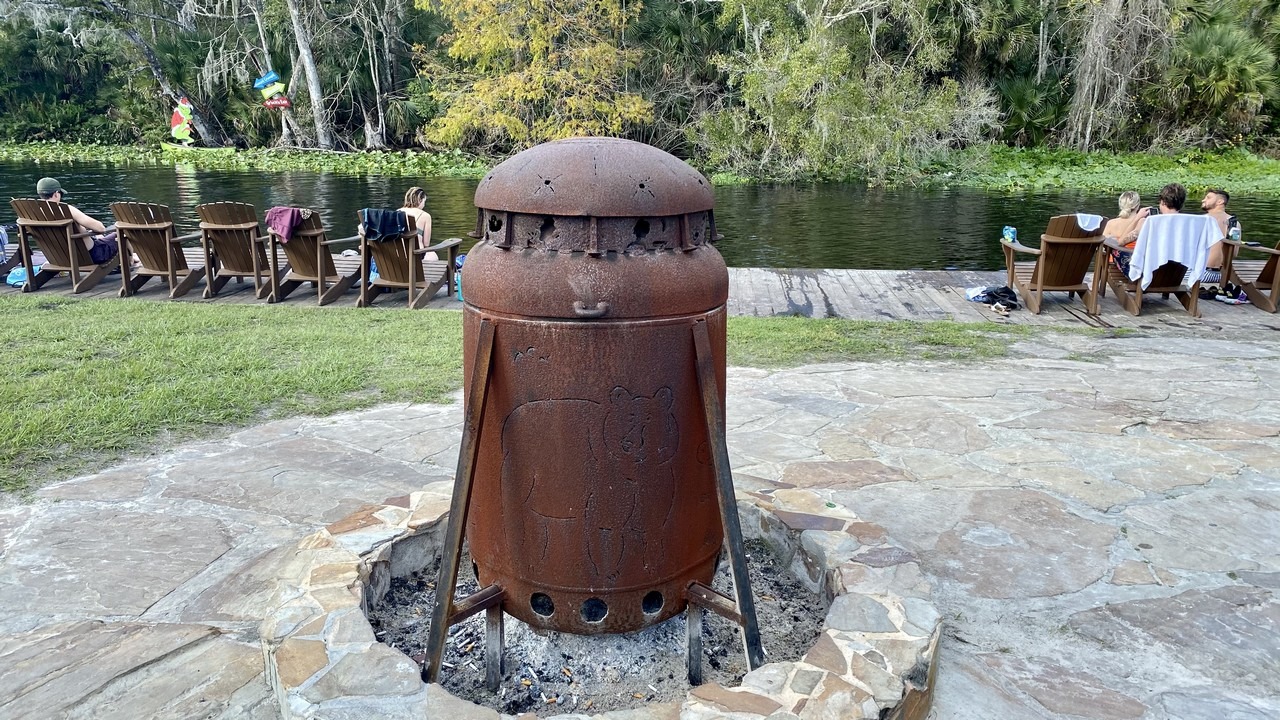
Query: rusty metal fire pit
x=593, y=481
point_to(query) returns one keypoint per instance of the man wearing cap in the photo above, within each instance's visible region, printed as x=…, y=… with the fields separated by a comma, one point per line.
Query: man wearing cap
x=101, y=247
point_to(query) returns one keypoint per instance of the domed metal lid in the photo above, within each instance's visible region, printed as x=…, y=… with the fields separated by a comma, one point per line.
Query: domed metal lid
x=595, y=177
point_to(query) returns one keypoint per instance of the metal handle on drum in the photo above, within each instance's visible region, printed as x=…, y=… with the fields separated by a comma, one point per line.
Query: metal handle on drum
x=581, y=310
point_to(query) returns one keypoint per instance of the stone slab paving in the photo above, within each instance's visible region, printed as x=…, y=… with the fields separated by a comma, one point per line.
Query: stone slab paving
x=1098, y=521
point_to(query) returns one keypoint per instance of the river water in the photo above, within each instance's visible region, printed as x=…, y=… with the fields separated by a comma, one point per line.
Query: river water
x=804, y=226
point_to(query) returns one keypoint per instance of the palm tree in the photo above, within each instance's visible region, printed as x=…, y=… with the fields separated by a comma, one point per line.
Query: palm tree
x=1224, y=75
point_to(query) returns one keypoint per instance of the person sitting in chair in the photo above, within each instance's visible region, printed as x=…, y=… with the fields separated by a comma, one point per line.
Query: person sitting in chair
x=102, y=245
x=1172, y=197
x=1124, y=227
x=1214, y=204
x=415, y=206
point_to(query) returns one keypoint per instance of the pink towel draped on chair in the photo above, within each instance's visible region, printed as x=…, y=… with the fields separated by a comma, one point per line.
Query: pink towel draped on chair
x=282, y=220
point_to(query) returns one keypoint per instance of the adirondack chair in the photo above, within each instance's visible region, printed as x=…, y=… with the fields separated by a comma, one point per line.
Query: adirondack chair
x=1180, y=278
x=147, y=230
x=1257, y=278
x=1066, y=254
x=234, y=248
x=49, y=226
x=311, y=261
x=402, y=265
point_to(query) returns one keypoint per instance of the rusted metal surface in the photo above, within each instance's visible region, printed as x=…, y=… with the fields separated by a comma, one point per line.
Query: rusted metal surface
x=718, y=603
x=595, y=177
x=594, y=500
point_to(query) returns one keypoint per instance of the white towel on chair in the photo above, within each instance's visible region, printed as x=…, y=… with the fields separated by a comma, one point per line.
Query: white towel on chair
x=1088, y=222
x=1177, y=238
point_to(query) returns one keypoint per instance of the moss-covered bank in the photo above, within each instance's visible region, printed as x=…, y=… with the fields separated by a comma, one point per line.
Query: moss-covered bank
x=1010, y=169
x=996, y=168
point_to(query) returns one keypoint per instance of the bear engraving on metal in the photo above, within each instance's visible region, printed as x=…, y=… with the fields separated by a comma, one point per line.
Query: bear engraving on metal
x=609, y=482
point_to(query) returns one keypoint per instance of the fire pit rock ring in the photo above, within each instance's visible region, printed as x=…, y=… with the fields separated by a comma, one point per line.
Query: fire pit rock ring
x=876, y=657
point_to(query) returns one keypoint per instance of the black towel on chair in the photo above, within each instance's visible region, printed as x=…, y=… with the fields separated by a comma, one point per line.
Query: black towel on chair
x=382, y=225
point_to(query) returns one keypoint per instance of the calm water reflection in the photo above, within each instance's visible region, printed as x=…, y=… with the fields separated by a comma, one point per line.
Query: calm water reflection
x=835, y=226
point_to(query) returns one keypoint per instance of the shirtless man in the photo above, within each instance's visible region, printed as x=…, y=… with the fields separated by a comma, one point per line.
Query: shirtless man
x=102, y=246
x=1214, y=205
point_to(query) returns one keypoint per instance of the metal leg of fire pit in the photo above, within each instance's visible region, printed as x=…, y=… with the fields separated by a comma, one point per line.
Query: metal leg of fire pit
x=746, y=608
x=451, y=554
x=489, y=601
x=693, y=644
x=493, y=641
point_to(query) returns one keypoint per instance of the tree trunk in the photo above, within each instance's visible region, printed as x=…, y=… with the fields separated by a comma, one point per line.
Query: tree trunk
x=286, y=132
x=1042, y=43
x=375, y=126
x=324, y=131
x=373, y=136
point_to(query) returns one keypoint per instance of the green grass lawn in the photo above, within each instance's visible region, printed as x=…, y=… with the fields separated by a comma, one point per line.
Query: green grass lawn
x=88, y=381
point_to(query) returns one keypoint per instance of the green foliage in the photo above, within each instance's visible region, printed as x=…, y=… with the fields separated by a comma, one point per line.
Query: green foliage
x=884, y=92
x=1224, y=76
x=48, y=84
x=824, y=97
x=532, y=72
x=1010, y=169
x=676, y=40
x=1031, y=111
x=451, y=163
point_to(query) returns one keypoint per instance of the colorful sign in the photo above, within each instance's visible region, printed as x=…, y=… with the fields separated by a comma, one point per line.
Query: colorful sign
x=266, y=80
x=272, y=90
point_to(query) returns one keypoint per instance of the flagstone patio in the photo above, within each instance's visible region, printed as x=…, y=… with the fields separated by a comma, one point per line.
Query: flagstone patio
x=1099, y=520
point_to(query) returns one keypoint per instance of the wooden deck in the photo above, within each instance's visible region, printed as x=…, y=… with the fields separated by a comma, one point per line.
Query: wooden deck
x=925, y=295
x=920, y=295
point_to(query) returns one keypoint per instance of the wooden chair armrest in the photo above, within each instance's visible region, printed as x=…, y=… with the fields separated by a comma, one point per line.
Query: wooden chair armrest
x=443, y=245
x=1019, y=247
x=222, y=226
x=188, y=236
x=1115, y=244
x=335, y=241
x=85, y=234
x=1259, y=248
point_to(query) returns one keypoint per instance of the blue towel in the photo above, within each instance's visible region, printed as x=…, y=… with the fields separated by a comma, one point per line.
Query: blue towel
x=382, y=225
x=18, y=276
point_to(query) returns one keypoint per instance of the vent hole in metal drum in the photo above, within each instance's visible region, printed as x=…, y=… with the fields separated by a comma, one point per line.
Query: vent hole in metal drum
x=542, y=604
x=652, y=602
x=594, y=610
x=495, y=223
